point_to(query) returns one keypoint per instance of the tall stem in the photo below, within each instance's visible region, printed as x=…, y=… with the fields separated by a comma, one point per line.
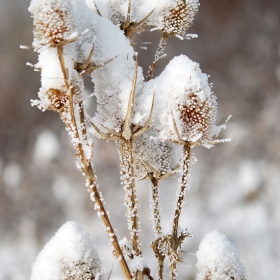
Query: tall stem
x=155, y=206
x=176, y=240
x=87, y=168
x=131, y=200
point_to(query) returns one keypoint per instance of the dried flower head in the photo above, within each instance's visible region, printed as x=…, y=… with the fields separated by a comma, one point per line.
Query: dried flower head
x=154, y=156
x=53, y=21
x=175, y=17
x=190, y=113
x=58, y=99
x=197, y=117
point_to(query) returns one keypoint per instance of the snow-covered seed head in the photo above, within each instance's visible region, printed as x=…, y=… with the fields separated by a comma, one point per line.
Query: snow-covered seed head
x=218, y=259
x=117, y=14
x=69, y=255
x=178, y=18
x=197, y=116
x=190, y=113
x=154, y=156
x=57, y=98
x=53, y=21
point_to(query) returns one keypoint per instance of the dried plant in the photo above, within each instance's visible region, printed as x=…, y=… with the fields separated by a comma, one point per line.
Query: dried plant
x=154, y=137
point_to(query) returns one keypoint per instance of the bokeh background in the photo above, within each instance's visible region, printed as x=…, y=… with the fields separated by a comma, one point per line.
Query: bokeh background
x=234, y=187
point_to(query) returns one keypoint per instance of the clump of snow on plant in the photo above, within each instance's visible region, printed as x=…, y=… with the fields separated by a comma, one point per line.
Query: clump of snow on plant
x=70, y=254
x=53, y=21
x=185, y=103
x=114, y=81
x=218, y=259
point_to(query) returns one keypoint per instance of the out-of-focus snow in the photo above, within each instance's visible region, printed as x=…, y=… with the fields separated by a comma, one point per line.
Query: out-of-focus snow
x=46, y=148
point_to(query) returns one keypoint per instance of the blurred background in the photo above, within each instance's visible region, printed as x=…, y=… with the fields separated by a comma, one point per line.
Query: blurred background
x=235, y=187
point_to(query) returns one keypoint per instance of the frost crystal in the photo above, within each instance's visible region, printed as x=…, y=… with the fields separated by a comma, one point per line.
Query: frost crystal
x=218, y=259
x=69, y=255
x=190, y=113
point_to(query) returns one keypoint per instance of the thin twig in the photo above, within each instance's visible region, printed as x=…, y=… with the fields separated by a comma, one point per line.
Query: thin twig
x=158, y=55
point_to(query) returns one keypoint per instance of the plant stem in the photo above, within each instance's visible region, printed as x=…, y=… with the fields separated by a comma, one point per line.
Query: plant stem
x=87, y=167
x=155, y=206
x=131, y=201
x=176, y=241
x=158, y=55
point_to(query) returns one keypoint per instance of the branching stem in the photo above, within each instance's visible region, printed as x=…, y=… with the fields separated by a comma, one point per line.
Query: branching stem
x=87, y=167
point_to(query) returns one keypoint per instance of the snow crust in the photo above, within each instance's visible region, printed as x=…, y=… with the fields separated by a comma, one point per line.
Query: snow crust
x=70, y=254
x=218, y=259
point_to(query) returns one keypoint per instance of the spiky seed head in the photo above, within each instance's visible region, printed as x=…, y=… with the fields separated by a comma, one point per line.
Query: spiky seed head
x=152, y=155
x=178, y=18
x=58, y=99
x=198, y=117
x=53, y=21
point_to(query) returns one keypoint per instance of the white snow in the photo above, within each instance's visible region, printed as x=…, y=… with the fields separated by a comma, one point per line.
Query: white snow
x=68, y=255
x=218, y=259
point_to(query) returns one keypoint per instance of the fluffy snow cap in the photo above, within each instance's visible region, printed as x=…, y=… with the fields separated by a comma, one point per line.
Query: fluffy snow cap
x=53, y=21
x=218, y=259
x=184, y=103
x=68, y=255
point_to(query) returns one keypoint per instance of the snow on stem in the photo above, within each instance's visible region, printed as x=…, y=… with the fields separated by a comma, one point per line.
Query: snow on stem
x=158, y=55
x=86, y=164
x=131, y=200
x=155, y=206
x=177, y=239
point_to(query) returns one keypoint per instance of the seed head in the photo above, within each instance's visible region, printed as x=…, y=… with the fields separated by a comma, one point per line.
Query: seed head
x=53, y=21
x=178, y=17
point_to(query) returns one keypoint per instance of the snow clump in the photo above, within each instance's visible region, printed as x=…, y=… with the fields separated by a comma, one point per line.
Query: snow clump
x=70, y=254
x=218, y=259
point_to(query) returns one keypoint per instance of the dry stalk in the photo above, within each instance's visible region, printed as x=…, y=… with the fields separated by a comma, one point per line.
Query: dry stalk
x=177, y=239
x=158, y=55
x=131, y=200
x=156, y=206
x=87, y=167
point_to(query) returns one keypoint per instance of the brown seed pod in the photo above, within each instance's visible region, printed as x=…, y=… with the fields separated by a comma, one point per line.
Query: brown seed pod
x=53, y=21
x=57, y=98
x=198, y=116
x=178, y=18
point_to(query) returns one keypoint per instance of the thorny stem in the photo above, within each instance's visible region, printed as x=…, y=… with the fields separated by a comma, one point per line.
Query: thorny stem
x=155, y=206
x=130, y=193
x=87, y=167
x=158, y=55
x=176, y=240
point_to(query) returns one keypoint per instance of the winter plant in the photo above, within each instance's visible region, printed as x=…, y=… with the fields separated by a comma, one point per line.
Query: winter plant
x=155, y=122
